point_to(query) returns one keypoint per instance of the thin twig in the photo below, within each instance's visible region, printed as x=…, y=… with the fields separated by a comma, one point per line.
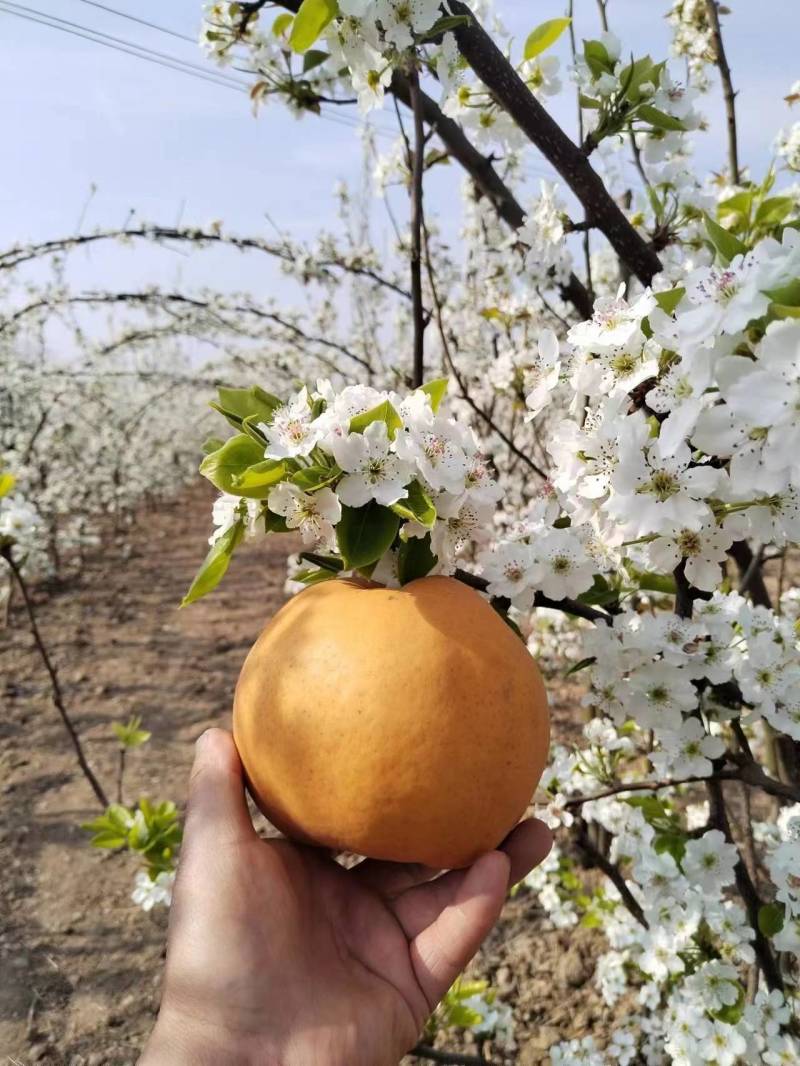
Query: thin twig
x=613, y=873
x=55, y=685
x=448, y=355
x=417, y=166
x=712, y=8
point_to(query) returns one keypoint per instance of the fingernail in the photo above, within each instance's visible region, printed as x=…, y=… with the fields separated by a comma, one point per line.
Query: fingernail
x=202, y=740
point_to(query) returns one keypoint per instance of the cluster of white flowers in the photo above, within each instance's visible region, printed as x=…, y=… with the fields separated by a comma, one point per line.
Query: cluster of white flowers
x=692, y=37
x=337, y=452
x=149, y=892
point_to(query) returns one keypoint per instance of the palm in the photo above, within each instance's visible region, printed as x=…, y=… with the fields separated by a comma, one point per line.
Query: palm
x=309, y=962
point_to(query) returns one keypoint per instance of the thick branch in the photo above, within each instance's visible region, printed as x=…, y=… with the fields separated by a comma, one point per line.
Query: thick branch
x=712, y=9
x=486, y=179
x=747, y=890
x=511, y=93
x=55, y=685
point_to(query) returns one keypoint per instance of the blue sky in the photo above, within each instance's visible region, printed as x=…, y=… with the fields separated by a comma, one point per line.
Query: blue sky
x=174, y=147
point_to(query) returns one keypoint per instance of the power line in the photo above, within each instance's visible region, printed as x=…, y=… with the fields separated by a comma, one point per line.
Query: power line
x=102, y=38
x=162, y=59
x=142, y=22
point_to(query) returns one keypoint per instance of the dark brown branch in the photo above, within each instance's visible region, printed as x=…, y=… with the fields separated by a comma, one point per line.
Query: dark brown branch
x=568, y=606
x=417, y=167
x=55, y=685
x=712, y=10
x=486, y=179
x=747, y=890
x=511, y=93
x=743, y=555
x=596, y=858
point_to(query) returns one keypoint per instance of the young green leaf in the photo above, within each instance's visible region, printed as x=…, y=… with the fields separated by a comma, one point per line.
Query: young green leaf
x=771, y=918
x=215, y=564
x=669, y=299
x=282, y=23
x=417, y=506
x=311, y=478
x=311, y=19
x=7, y=483
x=365, y=533
x=226, y=465
x=313, y=58
x=414, y=558
x=261, y=475
x=436, y=390
x=130, y=735
x=545, y=35
x=384, y=412
x=660, y=119
x=726, y=244
x=237, y=404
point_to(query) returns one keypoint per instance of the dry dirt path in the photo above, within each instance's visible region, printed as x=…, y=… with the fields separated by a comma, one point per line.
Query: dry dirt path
x=80, y=965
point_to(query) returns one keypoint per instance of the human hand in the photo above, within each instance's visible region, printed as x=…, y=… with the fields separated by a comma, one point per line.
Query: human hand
x=279, y=956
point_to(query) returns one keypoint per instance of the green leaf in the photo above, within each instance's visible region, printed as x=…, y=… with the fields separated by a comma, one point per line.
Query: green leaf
x=311, y=478
x=445, y=24
x=274, y=523
x=215, y=564
x=282, y=23
x=773, y=211
x=313, y=58
x=640, y=72
x=670, y=299
x=673, y=843
x=130, y=735
x=415, y=558
x=309, y=22
x=384, y=412
x=660, y=119
x=664, y=583
x=7, y=483
x=581, y=665
x=212, y=444
x=314, y=577
x=365, y=533
x=417, y=506
x=545, y=35
x=225, y=466
x=261, y=475
x=238, y=404
x=786, y=295
x=325, y=562
x=732, y=1013
x=771, y=918
x=597, y=58
x=436, y=390
x=589, y=102
x=726, y=244
x=741, y=203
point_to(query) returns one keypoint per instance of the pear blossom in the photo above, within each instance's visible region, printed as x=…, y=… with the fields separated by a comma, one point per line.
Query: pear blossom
x=293, y=431
x=709, y=861
x=372, y=470
x=313, y=514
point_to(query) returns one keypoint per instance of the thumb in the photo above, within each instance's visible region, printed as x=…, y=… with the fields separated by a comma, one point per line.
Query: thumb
x=216, y=814
x=441, y=951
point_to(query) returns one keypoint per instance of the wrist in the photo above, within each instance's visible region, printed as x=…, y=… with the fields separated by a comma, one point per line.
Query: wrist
x=180, y=1041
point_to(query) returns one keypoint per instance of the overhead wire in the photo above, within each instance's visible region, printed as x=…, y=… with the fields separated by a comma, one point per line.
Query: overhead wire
x=140, y=51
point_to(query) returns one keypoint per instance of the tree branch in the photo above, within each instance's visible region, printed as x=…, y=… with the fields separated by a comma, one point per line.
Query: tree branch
x=55, y=685
x=417, y=166
x=613, y=873
x=511, y=93
x=712, y=10
x=568, y=606
x=747, y=890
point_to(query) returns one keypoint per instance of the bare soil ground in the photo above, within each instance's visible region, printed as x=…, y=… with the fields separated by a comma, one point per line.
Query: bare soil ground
x=80, y=964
